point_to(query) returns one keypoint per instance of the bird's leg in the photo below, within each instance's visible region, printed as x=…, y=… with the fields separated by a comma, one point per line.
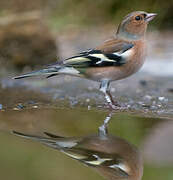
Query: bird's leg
x=104, y=87
x=103, y=129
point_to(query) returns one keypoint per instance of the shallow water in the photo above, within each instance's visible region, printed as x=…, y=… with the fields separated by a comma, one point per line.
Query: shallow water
x=74, y=107
x=25, y=159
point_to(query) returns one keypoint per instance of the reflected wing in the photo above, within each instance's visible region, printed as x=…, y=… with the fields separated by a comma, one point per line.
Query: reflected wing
x=73, y=148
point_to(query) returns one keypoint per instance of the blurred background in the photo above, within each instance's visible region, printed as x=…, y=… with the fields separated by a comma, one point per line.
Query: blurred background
x=37, y=29
x=87, y=12
x=38, y=32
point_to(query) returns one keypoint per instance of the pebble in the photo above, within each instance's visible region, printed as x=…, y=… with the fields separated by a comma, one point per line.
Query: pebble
x=20, y=106
x=31, y=102
x=16, y=109
x=147, y=97
x=87, y=100
x=73, y=102
x=153, y=107
x=143, y=82
x=161, y=98
x=35, y=107
x=170, y=90
x=89, y=107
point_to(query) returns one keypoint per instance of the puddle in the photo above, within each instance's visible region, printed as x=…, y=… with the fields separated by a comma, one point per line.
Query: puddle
x=26, y=159
x=68, y=106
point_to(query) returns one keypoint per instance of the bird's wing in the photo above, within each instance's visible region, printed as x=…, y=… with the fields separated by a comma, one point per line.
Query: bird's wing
x=111, y=53
x=72, y=148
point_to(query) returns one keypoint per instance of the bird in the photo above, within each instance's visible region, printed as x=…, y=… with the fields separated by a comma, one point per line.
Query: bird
x=111, y=156
x=115, y=59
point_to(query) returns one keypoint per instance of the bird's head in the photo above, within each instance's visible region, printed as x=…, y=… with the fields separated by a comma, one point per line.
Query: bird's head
x=134, y=25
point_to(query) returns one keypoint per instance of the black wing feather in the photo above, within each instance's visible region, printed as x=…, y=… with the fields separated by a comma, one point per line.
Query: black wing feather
x=89, y=60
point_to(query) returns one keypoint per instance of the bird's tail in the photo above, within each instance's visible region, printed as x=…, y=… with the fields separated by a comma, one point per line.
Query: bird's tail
x=44, y=140
x=54, y=141
x=49, y=71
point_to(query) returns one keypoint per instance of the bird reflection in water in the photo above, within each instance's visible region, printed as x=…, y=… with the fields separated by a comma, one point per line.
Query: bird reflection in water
x=113, y=157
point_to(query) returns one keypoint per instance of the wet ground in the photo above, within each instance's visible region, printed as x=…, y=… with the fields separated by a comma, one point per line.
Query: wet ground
x=74, y=107
x=148, y=91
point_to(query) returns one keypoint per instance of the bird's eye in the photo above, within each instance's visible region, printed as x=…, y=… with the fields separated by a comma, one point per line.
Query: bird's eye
x=137, y=18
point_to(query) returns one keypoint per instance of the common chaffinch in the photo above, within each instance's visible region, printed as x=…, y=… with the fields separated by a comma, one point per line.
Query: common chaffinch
x=111, y=156
x=115, y=59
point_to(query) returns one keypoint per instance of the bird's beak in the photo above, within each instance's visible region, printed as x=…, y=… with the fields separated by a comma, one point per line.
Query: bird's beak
x=150, y=16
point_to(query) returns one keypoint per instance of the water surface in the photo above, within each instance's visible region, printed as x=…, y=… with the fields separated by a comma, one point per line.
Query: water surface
x=25, y=159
